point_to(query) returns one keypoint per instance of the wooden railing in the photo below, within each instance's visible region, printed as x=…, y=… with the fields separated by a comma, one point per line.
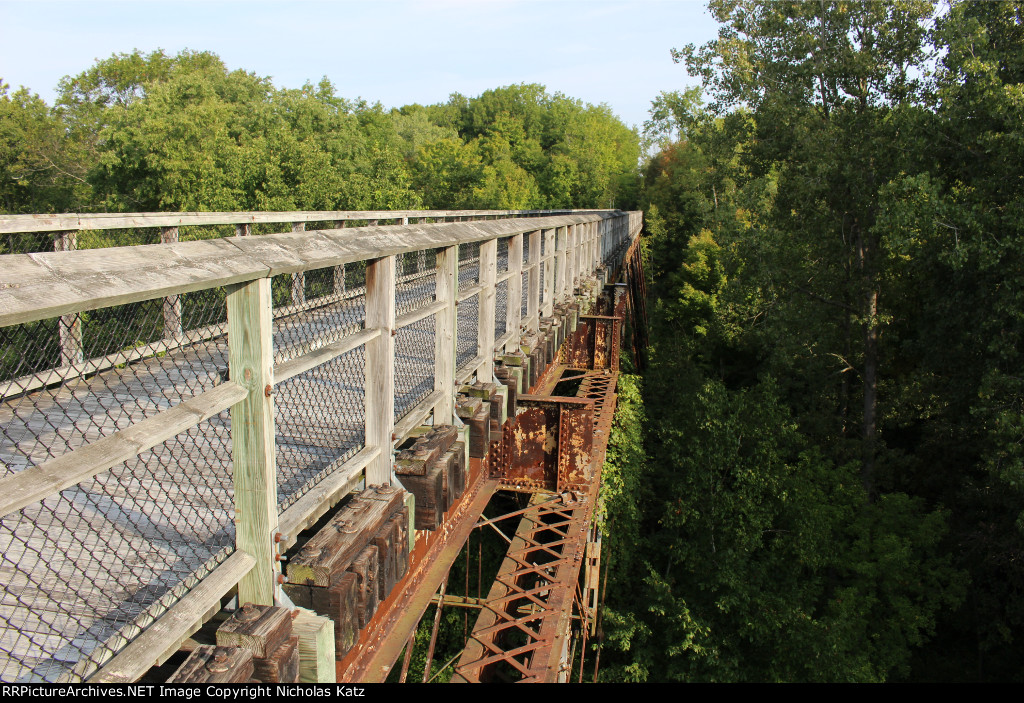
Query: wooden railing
x=66, y=283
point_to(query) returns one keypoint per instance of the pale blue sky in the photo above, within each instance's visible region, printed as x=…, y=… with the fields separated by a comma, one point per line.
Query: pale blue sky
x=393, y=51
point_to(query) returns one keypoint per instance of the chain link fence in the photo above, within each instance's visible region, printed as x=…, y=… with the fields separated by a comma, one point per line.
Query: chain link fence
x=88, y=568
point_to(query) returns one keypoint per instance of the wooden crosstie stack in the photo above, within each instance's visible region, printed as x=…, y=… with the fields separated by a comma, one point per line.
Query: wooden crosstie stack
x=351, y=565
x=433, y=468
x=255, y=644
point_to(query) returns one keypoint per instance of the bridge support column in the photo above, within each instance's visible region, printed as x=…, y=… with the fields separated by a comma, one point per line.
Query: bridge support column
x=380, y=366
x=251, y=363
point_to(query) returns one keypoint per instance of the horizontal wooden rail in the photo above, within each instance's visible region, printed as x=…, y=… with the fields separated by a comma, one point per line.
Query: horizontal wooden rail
x=504, y=276
x=181, y=620
x=466, y=372
x=416, y=415
x=50, y=284
x=340, y=478
x=39, y=482
x=414, y=316
x=312, y=359
x=504, y=339
x=469, y=292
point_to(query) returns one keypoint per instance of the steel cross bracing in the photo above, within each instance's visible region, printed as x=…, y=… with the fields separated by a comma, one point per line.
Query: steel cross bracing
x=523, y=631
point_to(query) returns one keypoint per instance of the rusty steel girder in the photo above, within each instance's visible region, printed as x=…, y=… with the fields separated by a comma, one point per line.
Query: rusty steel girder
x=526, y=622
x=595, y=344
x=547, y=445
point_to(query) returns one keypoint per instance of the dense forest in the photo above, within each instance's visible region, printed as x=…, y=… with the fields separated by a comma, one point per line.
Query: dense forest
x=820, y=477
x=819, y=474
x=150, y=132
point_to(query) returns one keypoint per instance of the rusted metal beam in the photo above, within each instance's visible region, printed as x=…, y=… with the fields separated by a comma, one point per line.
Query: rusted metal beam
x=372, y=658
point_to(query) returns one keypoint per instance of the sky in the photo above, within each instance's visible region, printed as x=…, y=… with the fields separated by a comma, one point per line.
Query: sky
x=395, y=52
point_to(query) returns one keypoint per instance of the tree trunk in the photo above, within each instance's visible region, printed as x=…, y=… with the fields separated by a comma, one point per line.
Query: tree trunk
x=869, y=325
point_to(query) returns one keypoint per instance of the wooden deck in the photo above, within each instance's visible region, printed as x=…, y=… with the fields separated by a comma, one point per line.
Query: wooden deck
x=82, y=567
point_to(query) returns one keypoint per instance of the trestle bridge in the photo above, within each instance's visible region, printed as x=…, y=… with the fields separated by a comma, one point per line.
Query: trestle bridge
x=200, y=410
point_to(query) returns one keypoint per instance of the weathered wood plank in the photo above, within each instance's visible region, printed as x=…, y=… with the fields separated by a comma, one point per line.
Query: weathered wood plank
x=100, y=221
x=304, y=363
x=514, y=308
x=548, y=284
x=66, y=282
x=485, y=329
x=415, y=417
x=171, y=629
x=469, y=292
x=469, y=369
x=380, y=364
x=259, y=628
x=316, y=647
x=445, y=327
x=38, y=482
x=322, y=497
x=419, y=313
x=251, y=360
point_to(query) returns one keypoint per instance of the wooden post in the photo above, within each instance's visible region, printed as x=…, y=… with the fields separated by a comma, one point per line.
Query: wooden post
x=581, y=247
x=549, y=273
x=339, y=271
x=380, y=366
x=485, y=329
x=445, y=326
x=69, y=326
x=299, y=277
x=571, y=244
x=251, y=364
x=172, y=303
x=316, y=647
x=514, y=306
x=533, y=282
x=561, y=260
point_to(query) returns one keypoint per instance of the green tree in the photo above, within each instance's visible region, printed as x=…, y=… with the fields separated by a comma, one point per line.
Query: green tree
x=827, y=83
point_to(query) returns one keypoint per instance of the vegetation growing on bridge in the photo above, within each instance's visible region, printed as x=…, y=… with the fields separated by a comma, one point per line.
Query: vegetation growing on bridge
x=834, y=401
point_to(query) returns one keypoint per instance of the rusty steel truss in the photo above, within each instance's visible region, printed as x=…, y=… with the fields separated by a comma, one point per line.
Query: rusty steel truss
x=536, y=609
x=538, y=612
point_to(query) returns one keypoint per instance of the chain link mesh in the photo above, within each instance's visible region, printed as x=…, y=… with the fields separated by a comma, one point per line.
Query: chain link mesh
x=467, y=330
x=85, y=565
x=416, y=273
x=333, y=306
x=542, y=273
x=526, y=295
x=469, y=264
x=318, y=414
x=414, y=364
x=319, y=421
x=500, y=308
